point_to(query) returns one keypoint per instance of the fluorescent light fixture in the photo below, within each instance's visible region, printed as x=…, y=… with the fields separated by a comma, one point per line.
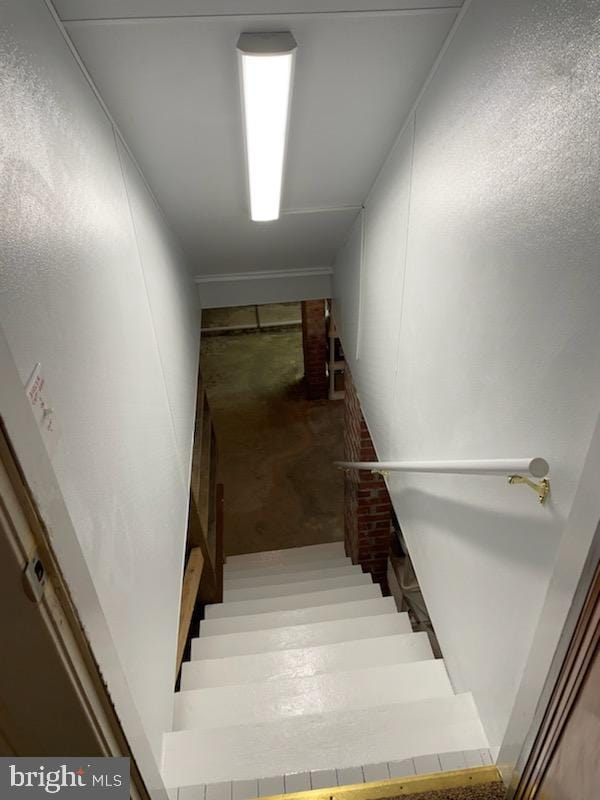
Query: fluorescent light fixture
x=267, y=66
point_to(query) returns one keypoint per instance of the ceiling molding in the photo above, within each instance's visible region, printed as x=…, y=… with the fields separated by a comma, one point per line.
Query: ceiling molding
x=269, y=274
x=320, y=210
x=249, y=16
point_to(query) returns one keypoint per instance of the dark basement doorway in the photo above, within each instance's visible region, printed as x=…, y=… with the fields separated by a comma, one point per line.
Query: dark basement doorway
x=276, y=447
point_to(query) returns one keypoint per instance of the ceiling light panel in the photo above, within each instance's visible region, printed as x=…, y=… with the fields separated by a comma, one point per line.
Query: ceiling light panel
x=266, y=68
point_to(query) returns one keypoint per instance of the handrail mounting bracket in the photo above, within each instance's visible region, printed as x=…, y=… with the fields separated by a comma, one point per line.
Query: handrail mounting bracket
x=384, y=473
x=542, y=489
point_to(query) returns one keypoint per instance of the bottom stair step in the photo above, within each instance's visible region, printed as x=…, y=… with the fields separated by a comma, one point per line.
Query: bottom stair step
x=476, y=769
x=322, y=741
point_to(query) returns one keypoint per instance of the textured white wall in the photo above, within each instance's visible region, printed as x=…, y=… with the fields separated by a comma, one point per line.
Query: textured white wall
x=384, y=252
x=94, y=288
x=487, y=311
x=174, y=306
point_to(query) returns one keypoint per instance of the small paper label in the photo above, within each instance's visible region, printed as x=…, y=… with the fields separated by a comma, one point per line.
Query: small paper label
x=43, y=412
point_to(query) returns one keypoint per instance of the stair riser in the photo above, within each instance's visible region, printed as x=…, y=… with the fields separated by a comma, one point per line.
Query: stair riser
x=364, y=591
x=305, y=662
x=330, y=632
x=294, y=555
x=296, y=587
x=273, y=578
x=258, y=570
x=298, y=616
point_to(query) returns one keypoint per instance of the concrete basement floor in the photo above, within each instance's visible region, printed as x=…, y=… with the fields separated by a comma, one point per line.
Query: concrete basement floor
x=276, y=449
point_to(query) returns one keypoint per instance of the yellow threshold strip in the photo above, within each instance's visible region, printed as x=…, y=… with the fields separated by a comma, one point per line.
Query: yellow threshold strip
x=413, y=784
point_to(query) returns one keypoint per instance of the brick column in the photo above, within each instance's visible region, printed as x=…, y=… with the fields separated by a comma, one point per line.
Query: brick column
x=314, y=344
x=368, y=509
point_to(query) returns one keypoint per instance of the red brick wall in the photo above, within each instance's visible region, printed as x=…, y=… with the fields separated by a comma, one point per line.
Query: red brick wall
x=314, y=343
x=368, y=509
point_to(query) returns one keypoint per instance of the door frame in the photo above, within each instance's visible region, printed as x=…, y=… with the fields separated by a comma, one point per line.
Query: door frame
x=56, y=640
x=570, y=667
x=569, y=583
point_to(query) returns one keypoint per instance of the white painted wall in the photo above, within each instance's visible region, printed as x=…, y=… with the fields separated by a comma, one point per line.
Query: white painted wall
x=93, y=286
x=477, y=321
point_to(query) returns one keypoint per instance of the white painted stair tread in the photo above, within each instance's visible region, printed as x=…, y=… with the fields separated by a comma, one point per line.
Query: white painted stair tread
x=294, y=555
x=261, y=570
x=322, y=741
x=273, y=577
x=256, y=667
x=325, y=597
x=296, y=587
x=361, y=626
x=329, y=692
x=298, y=616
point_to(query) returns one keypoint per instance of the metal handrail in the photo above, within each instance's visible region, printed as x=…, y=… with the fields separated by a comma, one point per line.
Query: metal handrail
x=511, y=467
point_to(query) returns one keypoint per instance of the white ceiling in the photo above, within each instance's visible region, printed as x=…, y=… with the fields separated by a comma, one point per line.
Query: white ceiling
x=167, y=70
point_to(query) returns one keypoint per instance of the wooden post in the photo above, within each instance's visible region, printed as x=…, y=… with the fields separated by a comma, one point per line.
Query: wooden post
x=219, y=500
x=189, y=594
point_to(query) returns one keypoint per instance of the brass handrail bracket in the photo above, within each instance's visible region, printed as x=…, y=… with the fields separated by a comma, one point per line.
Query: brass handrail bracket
x=542, y=489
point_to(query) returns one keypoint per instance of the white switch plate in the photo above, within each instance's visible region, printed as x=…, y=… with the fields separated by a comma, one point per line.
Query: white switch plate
x=43, y=411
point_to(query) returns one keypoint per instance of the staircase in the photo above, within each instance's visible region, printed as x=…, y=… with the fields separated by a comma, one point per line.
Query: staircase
x=306, y=677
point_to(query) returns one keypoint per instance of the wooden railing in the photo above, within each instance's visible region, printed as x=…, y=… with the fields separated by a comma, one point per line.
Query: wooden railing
x=203, y=578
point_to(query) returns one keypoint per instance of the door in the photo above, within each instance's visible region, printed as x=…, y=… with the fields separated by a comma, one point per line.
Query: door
x=564, y=763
